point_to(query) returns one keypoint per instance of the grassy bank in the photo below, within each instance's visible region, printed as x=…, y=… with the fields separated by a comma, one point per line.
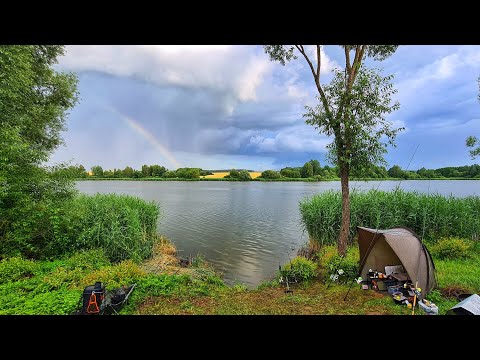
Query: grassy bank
x=433, y=215
x=163, y=287
x=54, y=287
x=319, y=295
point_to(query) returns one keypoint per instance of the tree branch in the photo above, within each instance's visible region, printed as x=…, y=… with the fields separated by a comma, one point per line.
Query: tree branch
x=316, y=77
x=319, y=61
x=347, y=58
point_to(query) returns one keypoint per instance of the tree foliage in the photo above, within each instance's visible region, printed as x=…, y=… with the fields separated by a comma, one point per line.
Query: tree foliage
x=97, y=171
x=307, y=170
x=351, y=109
x=243, y=175
x=290, y=173
x=473, y=141
x=358, y=141
x=188, y=173
x=34, y=103
x=270, y=174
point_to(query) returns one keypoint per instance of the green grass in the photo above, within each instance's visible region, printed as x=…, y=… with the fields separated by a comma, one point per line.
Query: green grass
x=431, y=215
x=54, y=287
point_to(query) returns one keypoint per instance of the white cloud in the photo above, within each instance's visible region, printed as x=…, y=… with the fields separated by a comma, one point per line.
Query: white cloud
x=235, y=71
x=443, y=68
x=300, y=139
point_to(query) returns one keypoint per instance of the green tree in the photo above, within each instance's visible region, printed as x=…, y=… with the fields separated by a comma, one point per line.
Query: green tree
x=81, y=172
x=234, y=174
x=157, y=170
x=307, y=170
x=188, y=173
x=97, y=171
x=270, y=174
x=352, y=109
x=428, y=174
x=396, y=172
x=169, y=174
x=108, y=174
x=317, y=169
x=117, y=173
x=472, y=141
x=128, y=172
x=146, y=170
x=34, y=103
x=243, y=175
x=137, y=174
x=290, y=173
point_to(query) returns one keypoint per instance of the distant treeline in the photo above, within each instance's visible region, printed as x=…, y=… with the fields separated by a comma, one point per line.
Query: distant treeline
x=310, y=170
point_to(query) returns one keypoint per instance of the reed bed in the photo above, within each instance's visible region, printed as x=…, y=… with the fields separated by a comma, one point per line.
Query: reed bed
x=431, y=216
x=125, y=227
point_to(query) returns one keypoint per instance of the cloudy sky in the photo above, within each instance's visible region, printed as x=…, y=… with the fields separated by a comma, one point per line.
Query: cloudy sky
x=221, y=107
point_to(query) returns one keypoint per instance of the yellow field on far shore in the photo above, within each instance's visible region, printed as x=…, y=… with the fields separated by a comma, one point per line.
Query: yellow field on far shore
x=220, y=175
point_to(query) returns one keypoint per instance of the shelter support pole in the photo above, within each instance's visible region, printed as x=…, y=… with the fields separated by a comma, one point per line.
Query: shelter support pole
x=414, y=298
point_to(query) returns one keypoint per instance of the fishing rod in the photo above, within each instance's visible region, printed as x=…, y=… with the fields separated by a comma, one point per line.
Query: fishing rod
x=418, y=260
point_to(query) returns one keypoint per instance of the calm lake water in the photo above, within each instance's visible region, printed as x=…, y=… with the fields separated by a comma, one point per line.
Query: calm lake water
x=246, y=229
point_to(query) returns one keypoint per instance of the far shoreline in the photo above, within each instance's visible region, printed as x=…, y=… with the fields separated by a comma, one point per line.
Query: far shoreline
x=263, y=180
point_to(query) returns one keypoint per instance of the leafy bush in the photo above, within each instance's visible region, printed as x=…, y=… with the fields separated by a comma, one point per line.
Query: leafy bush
x=123, y=273
x=340, y=269
x=243, y=175
x=169, y=174
x=299, y=268
x=16, y=268
x=451, y=248
x=188, y=173
x=290, y=173
x=270, y=174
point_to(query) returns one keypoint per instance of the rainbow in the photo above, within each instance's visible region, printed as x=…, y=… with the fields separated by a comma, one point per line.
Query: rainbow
x=135, y=125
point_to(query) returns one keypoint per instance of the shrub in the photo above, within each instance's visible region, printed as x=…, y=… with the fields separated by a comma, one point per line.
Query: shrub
x=270, y=174
x=188, y=173
x=451, y=248
x=299, y=268
x=123, y=273
x=290, y=173
x=169, y=174
x=340, y=269
x=243, y=175
x=16, y=268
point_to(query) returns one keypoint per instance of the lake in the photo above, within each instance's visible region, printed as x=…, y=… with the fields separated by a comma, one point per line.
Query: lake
x=246, y=229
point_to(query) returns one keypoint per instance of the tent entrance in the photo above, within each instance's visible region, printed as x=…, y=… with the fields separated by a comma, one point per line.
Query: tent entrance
x=380, y=256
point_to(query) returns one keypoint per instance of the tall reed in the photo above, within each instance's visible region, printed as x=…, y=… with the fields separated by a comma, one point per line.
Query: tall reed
x=125, y=227
x=429, y=215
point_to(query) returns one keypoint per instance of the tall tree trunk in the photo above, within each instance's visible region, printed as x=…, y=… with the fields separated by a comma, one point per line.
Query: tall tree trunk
x=344, y=230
